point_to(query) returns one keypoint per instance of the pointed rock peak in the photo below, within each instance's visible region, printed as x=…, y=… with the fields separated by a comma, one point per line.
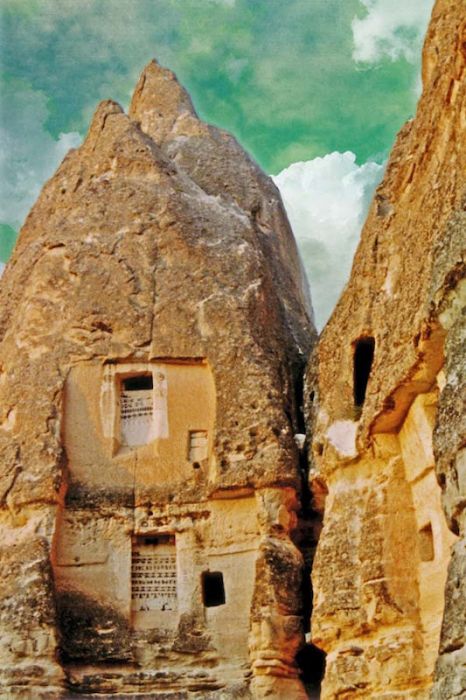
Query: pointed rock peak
x=104, y=109
x=100, y=120
x=158, y=101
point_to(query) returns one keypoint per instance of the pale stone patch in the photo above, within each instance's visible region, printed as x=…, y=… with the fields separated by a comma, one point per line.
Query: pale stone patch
x=342, y=435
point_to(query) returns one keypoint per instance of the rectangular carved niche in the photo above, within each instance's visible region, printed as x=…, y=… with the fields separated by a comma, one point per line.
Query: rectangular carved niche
x=426, y=543
x=153, y=580
x=164, y=411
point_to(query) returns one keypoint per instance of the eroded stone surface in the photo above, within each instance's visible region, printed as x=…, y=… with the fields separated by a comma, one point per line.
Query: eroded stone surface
x=154, y=326
x=382, y=560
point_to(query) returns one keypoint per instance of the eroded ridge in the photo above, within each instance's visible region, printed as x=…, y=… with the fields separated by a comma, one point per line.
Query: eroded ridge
x=385, y=406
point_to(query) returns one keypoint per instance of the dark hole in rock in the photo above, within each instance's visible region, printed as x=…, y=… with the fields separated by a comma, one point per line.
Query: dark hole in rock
x=141, y=382
x=159, y=539
x=311, y=661
x=213, y=589
x=363, y=359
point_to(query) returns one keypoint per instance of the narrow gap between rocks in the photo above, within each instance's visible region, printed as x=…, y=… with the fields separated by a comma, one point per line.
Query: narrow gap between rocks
x=310, y=659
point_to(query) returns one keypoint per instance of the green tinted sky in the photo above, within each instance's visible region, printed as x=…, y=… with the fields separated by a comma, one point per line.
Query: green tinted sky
x=280, y=74
x=277, y=73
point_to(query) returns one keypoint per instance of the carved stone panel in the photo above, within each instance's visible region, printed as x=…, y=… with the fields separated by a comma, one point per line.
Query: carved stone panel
x=153, y=580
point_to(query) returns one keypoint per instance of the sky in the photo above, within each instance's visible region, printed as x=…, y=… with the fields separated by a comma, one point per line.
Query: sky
x=315, y=90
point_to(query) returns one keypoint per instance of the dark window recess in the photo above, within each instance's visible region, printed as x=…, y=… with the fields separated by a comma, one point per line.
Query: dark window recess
x=213, y=589
x=141, y=382
x=363, y=358
x=158, y=539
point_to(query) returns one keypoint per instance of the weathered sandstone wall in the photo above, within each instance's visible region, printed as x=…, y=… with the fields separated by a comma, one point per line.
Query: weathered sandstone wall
x=384, y=408
x=154, y=325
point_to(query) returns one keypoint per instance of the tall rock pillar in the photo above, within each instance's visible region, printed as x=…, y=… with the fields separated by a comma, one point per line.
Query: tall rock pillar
x=154, y=324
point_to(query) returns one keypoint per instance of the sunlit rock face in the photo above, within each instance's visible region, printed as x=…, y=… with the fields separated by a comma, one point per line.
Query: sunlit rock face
x=155, y=323
x=386, y=414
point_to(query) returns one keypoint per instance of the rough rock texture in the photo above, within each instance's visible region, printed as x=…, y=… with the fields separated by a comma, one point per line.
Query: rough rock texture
x=450, y=456
x=158, y=254
x=382, y=559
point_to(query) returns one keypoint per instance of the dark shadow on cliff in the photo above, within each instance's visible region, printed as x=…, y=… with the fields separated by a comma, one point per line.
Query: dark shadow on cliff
x=91, y=631
x=310, y=659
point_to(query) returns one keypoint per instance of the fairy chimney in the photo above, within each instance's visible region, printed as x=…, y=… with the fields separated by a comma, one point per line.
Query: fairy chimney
x=155, y=321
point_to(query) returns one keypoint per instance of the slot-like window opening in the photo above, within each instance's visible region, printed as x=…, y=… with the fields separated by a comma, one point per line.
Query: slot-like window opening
x=363, y=359
x=141, y=382
x=426, y=543
x=213, y=589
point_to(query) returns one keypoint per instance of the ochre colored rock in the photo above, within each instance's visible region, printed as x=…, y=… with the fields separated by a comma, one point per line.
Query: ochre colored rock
x=155, y=323
x=381, y=563
x=154, y=328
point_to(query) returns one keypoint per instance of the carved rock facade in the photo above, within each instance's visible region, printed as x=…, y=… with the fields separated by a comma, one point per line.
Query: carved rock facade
x=154, y=329
x=386, y=410
x=154, y=325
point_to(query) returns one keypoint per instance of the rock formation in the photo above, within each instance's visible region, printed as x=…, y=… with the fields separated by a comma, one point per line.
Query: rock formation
x=386, y=410
x=155, y=323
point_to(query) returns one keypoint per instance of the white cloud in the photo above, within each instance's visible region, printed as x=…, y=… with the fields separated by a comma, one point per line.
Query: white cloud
x=326, y=200
x=29, y=154
x=391, y=28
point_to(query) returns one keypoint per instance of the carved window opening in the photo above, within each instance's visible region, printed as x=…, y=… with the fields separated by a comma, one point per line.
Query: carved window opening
x=363, y=359
x=137, y=410
x=153, y=574
x=426, y=543
x=213, y=589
